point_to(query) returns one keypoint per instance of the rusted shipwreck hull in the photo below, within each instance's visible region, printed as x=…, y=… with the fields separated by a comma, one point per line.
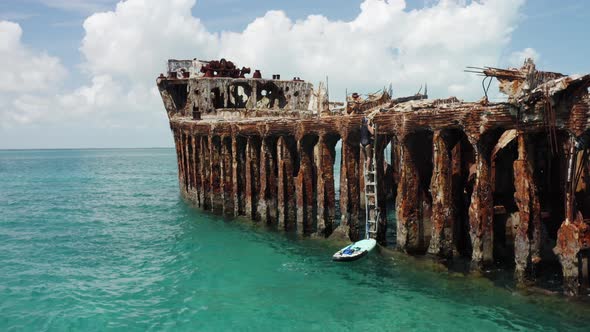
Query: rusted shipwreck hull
x=489, y=181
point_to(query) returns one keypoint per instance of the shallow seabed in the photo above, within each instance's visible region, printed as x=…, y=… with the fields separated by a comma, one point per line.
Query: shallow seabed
x=101, y=240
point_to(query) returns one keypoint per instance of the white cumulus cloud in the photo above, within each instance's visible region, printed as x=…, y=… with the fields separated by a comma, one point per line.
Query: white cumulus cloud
x=22, y=68
x=126, y=48
x=27, y=78
x=517, y=58
x=136, y=39
x=385, y=43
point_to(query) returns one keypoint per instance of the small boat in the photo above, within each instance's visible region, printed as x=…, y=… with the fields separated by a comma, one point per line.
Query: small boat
x=355, y=250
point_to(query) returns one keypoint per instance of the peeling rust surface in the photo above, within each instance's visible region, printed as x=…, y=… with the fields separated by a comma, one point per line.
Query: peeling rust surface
x=567, y=249
x=528, y=231
x=441, y=243
x=407, y=204
x=481, y=213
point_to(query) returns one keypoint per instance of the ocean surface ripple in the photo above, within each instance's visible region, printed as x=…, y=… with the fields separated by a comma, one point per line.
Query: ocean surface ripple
x=97, y=240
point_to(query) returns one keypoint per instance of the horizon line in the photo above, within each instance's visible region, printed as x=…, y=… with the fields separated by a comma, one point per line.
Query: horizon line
x=103, y=148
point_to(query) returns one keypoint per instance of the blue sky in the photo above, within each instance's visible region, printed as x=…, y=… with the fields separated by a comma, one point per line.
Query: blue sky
x=52, y=34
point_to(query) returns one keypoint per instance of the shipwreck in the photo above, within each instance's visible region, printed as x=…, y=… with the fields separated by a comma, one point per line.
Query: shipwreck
x=492, y=182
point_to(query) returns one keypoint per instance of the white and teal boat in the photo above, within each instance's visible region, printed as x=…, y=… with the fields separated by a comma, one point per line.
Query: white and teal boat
x=355, y=250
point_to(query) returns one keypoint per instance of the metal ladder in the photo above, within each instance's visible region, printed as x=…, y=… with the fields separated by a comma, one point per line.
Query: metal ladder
x=371, y=205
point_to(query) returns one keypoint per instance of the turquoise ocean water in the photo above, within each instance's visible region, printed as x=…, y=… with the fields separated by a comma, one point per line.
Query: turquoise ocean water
x=95, y=240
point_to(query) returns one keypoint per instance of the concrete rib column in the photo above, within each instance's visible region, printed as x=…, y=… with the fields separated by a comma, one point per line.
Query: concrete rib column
x=205, y=173
x=300, y=189
x=528, y=232
x=241, y=175
x=344, y=216
x=320, y=201
x=248, y=190
x=568, y=245
x=460, y=228
x=189, y=168
x=182, y=164
x=286, y=186
x=329, y=188
x=267, y=203
x=305, y=190
x=380, y=143
x=252, y=177
x=235, y=161
x=349, y=189
x=567, y=248
x=177, y=143
x=226, y=162
x=324, y=161
x=318, y=152
x=361, y=178
x=354, y=190
x=407, y=203
x=441, y=242
x=197, y=170
x=352, y=166
x=215, y=182
x=272, y=186
x=193, y=168
x=263, y=196
x=481, y=212
x=281, y=208
x=187, y=165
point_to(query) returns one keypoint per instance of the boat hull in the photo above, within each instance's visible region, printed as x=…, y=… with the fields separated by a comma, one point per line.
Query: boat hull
x=354, y=251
